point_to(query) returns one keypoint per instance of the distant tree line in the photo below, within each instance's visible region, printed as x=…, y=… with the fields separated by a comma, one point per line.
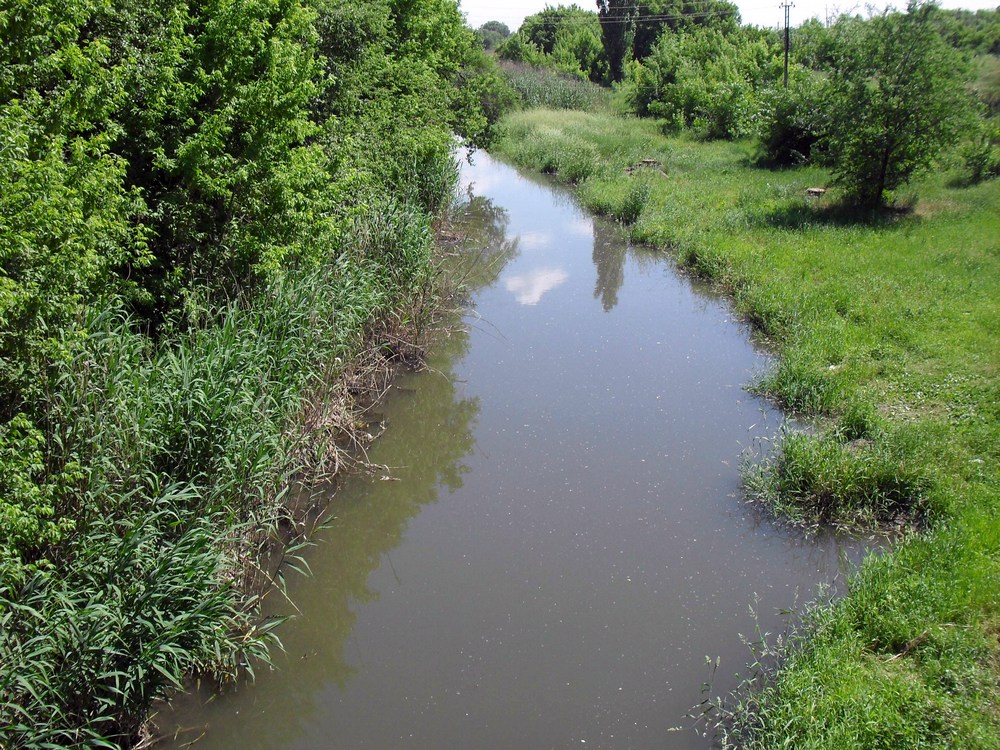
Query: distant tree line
x=874, y=98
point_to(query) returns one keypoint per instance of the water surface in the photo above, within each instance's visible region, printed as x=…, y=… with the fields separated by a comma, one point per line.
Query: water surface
x=558, y=541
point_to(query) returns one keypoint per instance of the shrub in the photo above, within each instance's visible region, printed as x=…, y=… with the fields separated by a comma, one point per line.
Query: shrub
x=703, y=77
x=789, y=123
x=981, y=153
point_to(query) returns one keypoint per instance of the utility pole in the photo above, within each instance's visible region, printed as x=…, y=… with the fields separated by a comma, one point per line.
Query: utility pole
x=787, y=6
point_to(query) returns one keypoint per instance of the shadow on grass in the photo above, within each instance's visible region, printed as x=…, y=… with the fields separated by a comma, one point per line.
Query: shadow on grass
x=965, y=181
x=801, y=214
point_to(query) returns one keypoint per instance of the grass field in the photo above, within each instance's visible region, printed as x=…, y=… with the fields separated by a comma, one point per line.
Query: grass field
x=887, y=327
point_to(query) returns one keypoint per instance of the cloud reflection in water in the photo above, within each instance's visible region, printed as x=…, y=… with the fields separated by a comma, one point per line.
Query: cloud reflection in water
x=535, y=240
x=529, y=288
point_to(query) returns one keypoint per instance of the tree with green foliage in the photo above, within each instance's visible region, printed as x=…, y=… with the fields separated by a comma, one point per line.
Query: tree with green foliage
x=896, y=96
x=578, y=50
x=655, y=16
x=563, y=38
x=789, y=122
x=812, y=45
x=618, y=24
x=704, y=78
x=543, y=29
x=973, y=31
x=492, y=34
x=630, y=30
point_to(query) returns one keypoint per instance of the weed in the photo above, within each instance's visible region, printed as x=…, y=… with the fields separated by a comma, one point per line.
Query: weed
x=542, y=87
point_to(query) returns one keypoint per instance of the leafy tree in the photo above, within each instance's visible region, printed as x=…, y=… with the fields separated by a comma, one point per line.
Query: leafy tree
x=630, y=30
x=656, y=16
x=703, y=78
x=67, y=221
x=896, y=97
x=974, y=31
x=813, y=45
x=564, y=38
x=578, y=50
x=492, y=34
x=543, y=29
x=618, y=25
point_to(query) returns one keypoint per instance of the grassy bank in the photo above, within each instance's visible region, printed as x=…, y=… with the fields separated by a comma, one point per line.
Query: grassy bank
x=886, y=326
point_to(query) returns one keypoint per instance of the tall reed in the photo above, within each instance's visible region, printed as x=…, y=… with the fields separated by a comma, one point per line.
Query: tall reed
x=181, y=453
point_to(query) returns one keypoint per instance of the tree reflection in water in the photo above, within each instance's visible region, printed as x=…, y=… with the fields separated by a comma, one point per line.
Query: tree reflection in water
x=430, y=432
x=610, y=250
x=485, y=248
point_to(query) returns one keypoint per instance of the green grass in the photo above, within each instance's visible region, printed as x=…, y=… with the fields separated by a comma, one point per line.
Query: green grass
x=543, y=87
x=886, y=326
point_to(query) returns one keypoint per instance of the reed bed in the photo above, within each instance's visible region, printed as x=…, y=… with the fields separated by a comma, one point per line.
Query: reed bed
x=175, y=461
x=543, y=87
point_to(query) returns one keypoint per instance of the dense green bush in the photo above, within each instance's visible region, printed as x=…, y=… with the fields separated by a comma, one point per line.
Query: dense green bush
x=790, y=123
x=896, y=97
x=205, y=208
x=981, y=151
x=705, y=79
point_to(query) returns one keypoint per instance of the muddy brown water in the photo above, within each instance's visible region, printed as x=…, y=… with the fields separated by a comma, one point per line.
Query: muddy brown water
x=560, y=540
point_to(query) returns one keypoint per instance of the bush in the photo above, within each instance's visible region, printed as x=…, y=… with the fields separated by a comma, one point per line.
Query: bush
x=789, y=123
x=981, y=154
x=705, y=78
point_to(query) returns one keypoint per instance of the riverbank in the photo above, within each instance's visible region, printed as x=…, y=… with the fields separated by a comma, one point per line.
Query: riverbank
x=213, y=218
x=187, y=455
x=886, y=327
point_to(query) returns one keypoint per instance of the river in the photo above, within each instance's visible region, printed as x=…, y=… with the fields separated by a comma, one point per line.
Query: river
x=559, y=540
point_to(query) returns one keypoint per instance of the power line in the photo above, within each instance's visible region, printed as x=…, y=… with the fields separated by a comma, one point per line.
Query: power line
x=569, y=20
x=788, y=7
x=583, y=20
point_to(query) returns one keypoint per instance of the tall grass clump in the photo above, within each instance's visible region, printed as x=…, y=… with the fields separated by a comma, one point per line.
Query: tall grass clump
x=543, y=87
x=799, y=383
x=143, y=602
x=622, y=201
x=550, y=152
x=172, y=461
x=819, y=480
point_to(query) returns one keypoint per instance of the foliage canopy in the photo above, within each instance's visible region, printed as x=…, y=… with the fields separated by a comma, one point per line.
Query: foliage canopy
x=895, y=98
